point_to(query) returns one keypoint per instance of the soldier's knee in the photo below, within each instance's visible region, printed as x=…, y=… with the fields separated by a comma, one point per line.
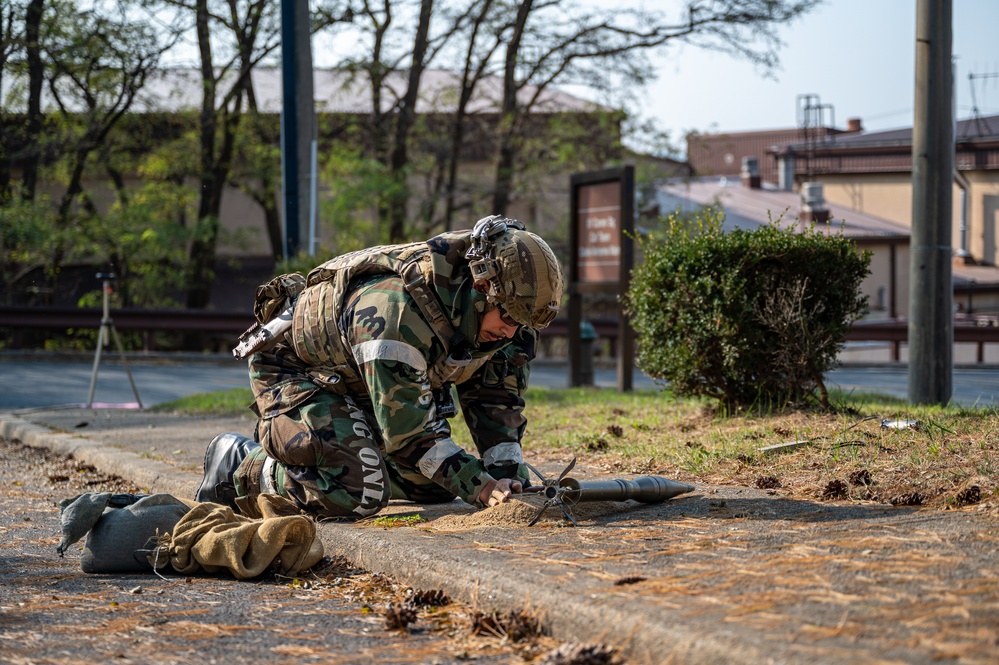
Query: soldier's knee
x=288, y=440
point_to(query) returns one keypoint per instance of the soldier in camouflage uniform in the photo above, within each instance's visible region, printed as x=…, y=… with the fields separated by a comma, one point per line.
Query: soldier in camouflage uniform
x=354, y=398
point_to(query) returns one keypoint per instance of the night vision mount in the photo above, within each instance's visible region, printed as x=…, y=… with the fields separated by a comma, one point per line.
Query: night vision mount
x=481, y=255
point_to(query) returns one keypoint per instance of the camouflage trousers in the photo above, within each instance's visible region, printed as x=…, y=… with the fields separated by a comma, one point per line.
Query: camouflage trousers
x=326, y=455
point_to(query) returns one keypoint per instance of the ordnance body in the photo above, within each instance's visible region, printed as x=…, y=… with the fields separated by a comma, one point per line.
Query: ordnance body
x=645, y=489
x=565, y=492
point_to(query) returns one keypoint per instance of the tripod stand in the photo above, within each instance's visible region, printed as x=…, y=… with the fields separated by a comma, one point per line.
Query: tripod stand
x=107, y=331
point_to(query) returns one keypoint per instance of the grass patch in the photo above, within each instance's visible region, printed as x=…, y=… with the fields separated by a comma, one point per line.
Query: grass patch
x=847, y=454
x=394, y=521
x=232, y=402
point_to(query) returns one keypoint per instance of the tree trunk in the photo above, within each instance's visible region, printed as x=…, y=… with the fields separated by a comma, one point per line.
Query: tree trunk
x=399, y=161
x=469, y=79
x=267, y=196
x=509, y=114
x=36, y=74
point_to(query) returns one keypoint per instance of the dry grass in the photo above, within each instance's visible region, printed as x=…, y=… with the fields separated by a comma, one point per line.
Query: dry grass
x=397, y=607
x=845, y=454
x=951, y=458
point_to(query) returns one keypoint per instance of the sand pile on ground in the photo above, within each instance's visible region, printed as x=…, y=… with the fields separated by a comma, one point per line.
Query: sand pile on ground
x=520, y=512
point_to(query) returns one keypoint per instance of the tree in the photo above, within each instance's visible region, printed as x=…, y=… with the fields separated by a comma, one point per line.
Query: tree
x=32, y=49
x=224, y=89
x=557, y=42
x=232, y=37
x=20, y=51
x=98, y=65
x=482, y=41
x=91, y=59
x=391, y=131
x=532, y=47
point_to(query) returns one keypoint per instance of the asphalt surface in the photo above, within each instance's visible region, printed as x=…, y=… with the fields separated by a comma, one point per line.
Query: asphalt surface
x=724, y=574
x=45, y=380
x=334, y=614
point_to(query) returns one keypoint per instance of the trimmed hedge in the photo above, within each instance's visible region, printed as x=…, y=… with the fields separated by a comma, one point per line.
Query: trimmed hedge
x=752, y=319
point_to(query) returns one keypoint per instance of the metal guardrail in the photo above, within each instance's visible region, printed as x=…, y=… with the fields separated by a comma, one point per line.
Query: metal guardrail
x=146, y=321
x=232, y=324
x=897, y=333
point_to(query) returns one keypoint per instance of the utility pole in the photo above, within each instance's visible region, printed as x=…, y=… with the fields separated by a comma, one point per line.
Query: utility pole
x=931, y=290
x=298, y=126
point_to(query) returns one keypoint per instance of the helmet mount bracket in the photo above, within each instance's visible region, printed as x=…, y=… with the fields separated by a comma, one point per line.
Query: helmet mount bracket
x=483, y=249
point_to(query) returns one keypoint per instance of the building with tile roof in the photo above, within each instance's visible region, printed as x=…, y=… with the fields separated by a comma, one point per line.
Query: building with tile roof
x=870, y=175
x=749, y=204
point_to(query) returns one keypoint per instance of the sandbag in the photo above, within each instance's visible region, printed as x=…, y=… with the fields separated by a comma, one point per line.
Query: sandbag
x=120, y=528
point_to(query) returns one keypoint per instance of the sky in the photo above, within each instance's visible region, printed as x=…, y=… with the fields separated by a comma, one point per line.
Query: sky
x=857, y=55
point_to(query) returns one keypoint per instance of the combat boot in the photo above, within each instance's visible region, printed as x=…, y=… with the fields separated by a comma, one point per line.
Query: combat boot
x=223, y=457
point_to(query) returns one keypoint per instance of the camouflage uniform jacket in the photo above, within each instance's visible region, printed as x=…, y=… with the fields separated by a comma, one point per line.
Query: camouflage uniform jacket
x=368, y=338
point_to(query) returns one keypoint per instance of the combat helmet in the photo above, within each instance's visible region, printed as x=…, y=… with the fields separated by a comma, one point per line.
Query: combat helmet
x=523, y=275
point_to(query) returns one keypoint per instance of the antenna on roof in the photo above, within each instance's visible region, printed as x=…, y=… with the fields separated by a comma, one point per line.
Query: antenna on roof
x=812, y=119
x=976, y=113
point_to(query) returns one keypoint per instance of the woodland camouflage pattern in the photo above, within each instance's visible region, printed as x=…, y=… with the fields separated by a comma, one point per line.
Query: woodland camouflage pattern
x=347, y=415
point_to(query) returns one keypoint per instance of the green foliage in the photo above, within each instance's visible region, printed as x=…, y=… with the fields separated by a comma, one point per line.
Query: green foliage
x=143, y=240
x=562, y=143
x=747, y=318
x=27, y=233
x=358, y=187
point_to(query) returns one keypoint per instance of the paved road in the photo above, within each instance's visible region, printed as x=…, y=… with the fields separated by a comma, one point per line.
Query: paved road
x=971, y=386
x=47, y=382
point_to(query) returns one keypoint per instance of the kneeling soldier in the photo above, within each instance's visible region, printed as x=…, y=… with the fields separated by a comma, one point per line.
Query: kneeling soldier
x=354, y=393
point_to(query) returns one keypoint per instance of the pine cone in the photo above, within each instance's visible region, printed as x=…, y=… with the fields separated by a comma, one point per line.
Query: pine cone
x=398, y=617
x=836, y=489
x=581, y=654
x=435, y=598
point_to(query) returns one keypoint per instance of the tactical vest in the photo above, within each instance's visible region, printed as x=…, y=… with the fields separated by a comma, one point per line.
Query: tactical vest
x=315, y=334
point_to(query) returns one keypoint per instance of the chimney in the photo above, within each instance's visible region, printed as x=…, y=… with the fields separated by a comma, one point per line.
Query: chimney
x=813, y=205
x=785, y=170
x=750, y=172
x=854, y=125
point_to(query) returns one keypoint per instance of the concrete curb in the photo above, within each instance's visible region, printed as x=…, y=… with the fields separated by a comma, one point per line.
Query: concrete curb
x=490, y=580
x=495, y=581
x=147, y=473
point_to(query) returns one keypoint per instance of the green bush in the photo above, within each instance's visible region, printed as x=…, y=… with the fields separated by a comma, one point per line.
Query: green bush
x=752, y=319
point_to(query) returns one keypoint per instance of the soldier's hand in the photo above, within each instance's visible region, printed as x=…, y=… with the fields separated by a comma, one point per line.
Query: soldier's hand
x=496, y=492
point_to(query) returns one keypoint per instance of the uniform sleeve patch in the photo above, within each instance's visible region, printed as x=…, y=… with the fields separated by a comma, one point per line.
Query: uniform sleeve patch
x=435, y=457
x=389, y=349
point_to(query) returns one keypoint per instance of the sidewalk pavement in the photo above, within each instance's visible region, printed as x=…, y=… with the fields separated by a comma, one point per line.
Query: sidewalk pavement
x=725, y=574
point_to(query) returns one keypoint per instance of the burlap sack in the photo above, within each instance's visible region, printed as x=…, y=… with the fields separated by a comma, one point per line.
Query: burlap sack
x=212, y=538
